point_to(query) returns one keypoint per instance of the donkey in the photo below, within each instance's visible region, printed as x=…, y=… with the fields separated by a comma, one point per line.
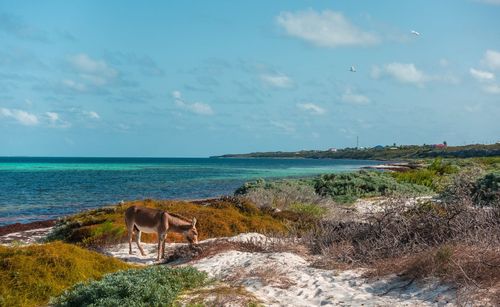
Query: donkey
x=148, y=220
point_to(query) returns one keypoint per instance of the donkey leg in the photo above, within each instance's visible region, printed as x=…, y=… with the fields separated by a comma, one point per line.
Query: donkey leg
x=138, y=241
x=130, y=230
x=163, y=246
x=159, y=248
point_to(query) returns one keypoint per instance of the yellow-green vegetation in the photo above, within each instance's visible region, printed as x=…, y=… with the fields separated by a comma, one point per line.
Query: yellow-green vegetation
x=311, y=210
x=152, y=286
x=218, y=295
x=433, y=176
x=216, y=218
x=30, y=275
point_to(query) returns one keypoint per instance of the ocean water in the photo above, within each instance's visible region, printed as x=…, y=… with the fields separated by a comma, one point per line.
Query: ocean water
x=34, y=189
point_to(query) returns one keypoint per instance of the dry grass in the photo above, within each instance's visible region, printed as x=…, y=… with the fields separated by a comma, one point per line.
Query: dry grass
x=218, y=295
x=30, y=275
x=452, y=239
x=216, y=218
x=189, y=253
x=266, y=276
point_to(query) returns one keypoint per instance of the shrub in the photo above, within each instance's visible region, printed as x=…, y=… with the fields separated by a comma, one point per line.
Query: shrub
x=433, y=176
x=216, y=218
x=347, y=187
x=486, y=191
x=279, y=194
x=153, y=286
x=311, y=210
x=30, y=275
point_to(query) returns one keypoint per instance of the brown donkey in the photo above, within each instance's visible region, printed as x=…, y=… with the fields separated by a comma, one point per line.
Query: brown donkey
x=148, y=220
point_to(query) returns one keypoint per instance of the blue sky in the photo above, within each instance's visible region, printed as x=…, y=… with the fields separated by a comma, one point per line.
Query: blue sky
x=200, y=78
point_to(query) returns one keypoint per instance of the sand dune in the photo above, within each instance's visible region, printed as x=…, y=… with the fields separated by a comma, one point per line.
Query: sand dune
x=287, y=279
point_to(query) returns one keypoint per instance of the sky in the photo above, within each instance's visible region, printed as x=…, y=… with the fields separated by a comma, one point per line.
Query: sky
x=202, y=78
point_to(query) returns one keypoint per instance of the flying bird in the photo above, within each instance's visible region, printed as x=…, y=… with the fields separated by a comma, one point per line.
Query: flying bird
x=415, y=33
x=352, y=69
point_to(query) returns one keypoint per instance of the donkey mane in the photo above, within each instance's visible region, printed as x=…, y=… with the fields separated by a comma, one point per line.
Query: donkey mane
x=185, y=219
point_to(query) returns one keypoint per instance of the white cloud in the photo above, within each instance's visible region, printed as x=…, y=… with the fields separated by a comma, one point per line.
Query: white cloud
x=277, y=80
x=195, y=107
x=86, y=65
x=52, y=116
x=91, y=114
x=492, y=88
x=402, y=72
x=481, y=75
x=491, y=59
x=176, y=94
x=56, y=121
x=350, y=97
x=312, y=108
x=90, y=71
x=20, y=116
x=324, y=29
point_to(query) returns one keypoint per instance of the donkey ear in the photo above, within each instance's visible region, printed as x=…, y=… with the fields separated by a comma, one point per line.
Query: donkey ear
x=193, y=223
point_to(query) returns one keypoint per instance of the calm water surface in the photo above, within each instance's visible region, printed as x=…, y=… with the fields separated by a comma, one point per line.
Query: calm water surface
x=44, y=188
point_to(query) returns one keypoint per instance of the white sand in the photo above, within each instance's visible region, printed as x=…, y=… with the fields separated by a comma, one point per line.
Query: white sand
x=286, y=279
x=25, y=237
x=120, y=251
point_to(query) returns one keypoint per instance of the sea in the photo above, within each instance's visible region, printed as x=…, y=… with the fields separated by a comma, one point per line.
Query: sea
x=34, y=189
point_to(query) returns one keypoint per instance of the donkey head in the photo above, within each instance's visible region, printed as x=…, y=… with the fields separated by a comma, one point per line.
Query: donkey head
x=192, y=234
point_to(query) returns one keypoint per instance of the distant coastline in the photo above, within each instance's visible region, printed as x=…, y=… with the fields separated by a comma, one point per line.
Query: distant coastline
x=383, y=153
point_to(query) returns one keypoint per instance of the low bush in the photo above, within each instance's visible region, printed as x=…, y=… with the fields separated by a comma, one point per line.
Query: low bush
x=30, y=275
x=311, y=210
x=216, y=218
x=486, y=191
x=433, y=176
x=347, y=187
x=152, y=286
x=452, y=238
x=280, y=193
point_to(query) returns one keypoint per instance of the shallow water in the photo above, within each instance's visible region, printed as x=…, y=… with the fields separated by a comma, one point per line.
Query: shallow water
x=44, y=188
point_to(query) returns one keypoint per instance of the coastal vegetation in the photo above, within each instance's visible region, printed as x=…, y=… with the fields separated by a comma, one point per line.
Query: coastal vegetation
x=32, y=274
x=152, y=286
x=216, y=218
x=401, y=152
x=341, y=188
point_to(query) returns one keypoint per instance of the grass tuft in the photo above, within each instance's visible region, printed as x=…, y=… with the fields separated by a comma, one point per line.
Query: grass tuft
x=30, y=275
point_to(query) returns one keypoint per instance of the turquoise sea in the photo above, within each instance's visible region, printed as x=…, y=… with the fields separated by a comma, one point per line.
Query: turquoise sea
x=44, y=188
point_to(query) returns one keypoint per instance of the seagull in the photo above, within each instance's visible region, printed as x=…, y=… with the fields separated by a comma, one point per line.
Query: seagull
x=415, y=33
x=352, y=69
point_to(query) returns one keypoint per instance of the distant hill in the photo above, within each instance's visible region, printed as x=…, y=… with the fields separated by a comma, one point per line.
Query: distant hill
x=384, y=152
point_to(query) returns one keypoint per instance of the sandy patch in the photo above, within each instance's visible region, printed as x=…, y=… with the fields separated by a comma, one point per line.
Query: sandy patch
x=285, y=279
x=25, y=237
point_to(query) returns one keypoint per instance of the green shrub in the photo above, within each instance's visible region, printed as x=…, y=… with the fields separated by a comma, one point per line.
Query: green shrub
x=311, y=210
x=486, y=191
x=432, y=176
x=30, y=275
x=280, y=193
x=347, y=187
x=152, y=286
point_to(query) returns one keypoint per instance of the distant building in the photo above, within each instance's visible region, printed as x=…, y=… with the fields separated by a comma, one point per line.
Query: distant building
x=378, y=147
x=440, y=146
x=332, y=149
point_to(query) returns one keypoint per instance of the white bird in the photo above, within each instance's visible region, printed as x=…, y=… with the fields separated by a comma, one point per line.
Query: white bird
x=415, y=33
x=352, y=69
